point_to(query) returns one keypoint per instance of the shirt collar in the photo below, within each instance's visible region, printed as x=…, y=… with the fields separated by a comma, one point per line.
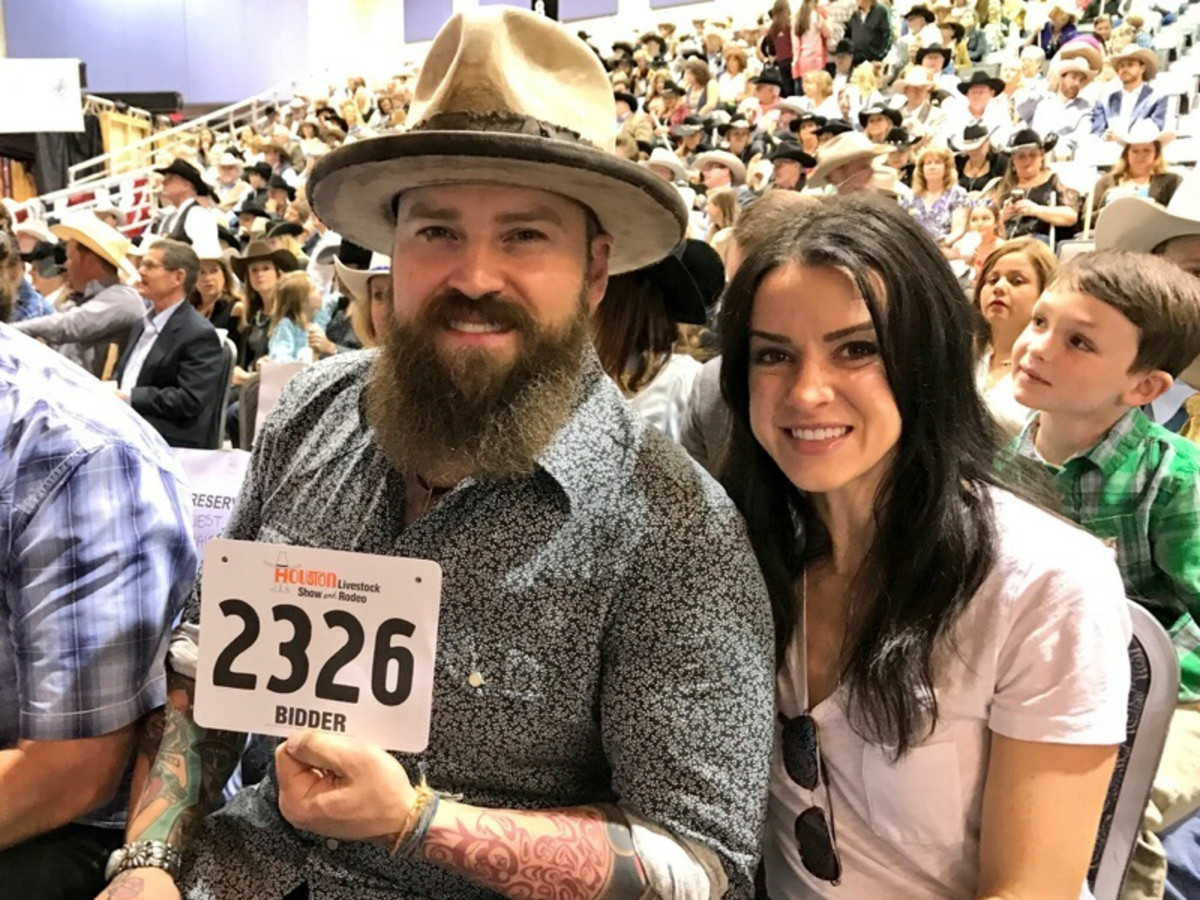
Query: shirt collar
x=158, y=320
x=1106, y=454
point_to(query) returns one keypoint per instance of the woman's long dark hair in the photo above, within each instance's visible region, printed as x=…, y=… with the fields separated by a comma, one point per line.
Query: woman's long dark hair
x=935, y=535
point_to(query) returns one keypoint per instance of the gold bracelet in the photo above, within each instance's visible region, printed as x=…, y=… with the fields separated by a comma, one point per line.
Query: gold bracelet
x=424, y=795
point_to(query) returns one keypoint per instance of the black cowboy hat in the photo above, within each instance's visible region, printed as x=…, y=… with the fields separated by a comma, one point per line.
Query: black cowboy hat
x=796, y=123
x=624, y=46
x=736, y=122
x=924, y=12
x=769, y=75
x=188, y=173
x=900, y=138
x=972, y=137
x=277, y=183
x=689, y=126
x=843, y=48
x=793, y=151
x=283, y=229
x=945, y=52
x=981, y=77
x=227, y=237
x=261, y=169
x=682, y=295
x=880, y=109
x=1027, y=137
x=956, y=29
x=652, y=36
x=835, y=127
x=670, y=87
x=253, y=209
x=627, y=98
x=46, y=252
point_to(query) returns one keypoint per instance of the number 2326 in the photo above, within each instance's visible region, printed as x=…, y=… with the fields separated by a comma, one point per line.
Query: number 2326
x=295, y=652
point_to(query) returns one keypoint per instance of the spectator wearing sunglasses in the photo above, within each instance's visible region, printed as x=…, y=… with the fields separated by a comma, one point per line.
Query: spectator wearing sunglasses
x=952, y=673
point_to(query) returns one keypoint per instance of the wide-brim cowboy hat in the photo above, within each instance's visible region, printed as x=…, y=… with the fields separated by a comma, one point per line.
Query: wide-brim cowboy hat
x=834, y=127
x=791, y=150
x=769, y=75
x=1144, y=131
x=981, y=77
x=924, y=12
x=1139, y=224
x=880, y=109
x=845, y=148
x=505, y=97
x=900, y=139
x=35, y=227
x=916, y=76
x=260, y=250
x=1084, y=47
x=1145, y=56
x=944, y=52
x=357, y=281
x=1027, y=137
x=627, y=98
x=682, y=297
x=668, y=160
x=689, y=126
x=797, y=106
x=1075, y=64
x=737, y=168
x=188, y=173
x=285, y=229
x=99, y=237
x=972, y=138
x=957, y=30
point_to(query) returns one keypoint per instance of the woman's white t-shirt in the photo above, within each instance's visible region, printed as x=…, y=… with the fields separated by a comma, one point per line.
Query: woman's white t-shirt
x=1042, y=655
x=663, y=401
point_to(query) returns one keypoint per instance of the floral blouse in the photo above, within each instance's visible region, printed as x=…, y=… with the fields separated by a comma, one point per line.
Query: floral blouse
x=936, y=216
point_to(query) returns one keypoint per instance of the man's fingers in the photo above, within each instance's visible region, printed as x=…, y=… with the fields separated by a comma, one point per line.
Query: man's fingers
x=318, y=750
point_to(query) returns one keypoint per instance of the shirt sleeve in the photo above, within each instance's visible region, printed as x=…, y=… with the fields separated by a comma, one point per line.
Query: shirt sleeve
x=1063, y=668
x=1175, y=542
x=100, y=568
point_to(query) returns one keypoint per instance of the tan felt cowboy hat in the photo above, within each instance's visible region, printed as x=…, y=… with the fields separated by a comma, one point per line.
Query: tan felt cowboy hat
x=259, y=250
x=1139, y=224
x=99, y=237
x=357, y=280
x=845, y=148
x=1146, y=57
x=505, y=97
x=737, y=168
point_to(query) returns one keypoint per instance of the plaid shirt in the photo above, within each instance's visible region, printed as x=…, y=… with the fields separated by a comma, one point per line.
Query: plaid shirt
x=96, y=555
x=1137, y=489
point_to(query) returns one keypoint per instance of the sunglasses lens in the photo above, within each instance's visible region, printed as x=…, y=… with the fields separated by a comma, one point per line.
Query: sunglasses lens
x=816, y=846
x=800, y=750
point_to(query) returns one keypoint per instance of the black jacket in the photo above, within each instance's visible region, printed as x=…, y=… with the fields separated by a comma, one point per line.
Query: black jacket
x=179, y=388
x=870, y=35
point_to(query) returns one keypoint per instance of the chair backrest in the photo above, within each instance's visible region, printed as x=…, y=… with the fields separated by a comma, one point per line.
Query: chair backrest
x=214, y=433
x=1070, y=249
x=248, y=411
x=1153, y=693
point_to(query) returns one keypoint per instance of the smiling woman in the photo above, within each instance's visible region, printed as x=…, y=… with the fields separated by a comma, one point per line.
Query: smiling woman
x=930, y=683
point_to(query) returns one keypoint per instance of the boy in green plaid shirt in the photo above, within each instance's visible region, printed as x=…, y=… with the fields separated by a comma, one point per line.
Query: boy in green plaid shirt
x=1109, y=335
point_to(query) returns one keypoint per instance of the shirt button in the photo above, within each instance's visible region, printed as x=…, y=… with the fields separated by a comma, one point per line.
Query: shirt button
x=475, y=679
x=332, y=844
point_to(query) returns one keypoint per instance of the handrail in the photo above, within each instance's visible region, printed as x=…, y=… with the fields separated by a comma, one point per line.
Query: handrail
x=93, y=101
x=68, y=199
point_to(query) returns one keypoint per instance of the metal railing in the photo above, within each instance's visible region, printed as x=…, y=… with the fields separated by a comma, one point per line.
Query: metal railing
x=129, y=192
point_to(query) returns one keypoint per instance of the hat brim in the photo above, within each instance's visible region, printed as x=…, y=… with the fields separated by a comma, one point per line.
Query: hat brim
x=357, y=280
x=1139, y=225
x=352, y=189
x=681, y=294
x=995, y=84
x=892, y=115
x=69, y=233
x=284, y=261
x=820, y=175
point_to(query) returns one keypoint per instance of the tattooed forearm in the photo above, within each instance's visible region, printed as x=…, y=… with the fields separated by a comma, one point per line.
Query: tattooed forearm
x=583, y=853
x=189, y=768
x=125, y=888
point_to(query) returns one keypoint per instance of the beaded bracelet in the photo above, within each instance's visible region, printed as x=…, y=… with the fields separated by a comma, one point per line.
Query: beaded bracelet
x=412, y=820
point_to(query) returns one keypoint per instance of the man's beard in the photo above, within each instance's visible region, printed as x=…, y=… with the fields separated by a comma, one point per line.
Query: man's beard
x=441, y=413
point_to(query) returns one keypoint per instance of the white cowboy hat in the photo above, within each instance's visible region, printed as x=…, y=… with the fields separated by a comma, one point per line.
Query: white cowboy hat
x=99, y=237
x=845, y=148
x=505, y=97
x=1146, y=57
x=35, y=227
x=916, y=76
x=737, y=168
x=357, y=280
x=661, y=156
x=796, y=105
x=1074, y=64
x=1144, y=131
x=1139, y=224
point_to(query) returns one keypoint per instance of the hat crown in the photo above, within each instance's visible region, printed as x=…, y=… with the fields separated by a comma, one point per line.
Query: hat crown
x=505, y=63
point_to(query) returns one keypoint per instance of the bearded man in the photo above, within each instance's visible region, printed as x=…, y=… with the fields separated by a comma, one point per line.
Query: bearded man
x=602, y=694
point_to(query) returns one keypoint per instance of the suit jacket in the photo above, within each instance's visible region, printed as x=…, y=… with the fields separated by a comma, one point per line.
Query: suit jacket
x=180, y=387
x=1149, y=106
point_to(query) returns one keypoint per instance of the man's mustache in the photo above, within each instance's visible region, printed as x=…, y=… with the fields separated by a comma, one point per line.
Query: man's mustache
x=453, y=305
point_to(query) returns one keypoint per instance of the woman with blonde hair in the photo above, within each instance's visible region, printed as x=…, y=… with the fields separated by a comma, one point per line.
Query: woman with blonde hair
x=1140, y=172
x=298, y=304
x=861, y=91
x=723, y=210
x=938, y=201
x=732, y=86
x=818, y=94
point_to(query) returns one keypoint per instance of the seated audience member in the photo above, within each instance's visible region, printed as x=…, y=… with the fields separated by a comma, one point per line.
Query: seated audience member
x=1140, y=172
x=97, y=562
x=106, y=309
x=188, y=221
x=878, y=120
x=628, y=739
x=216, y=295
x=297, y=305
x=722, y=209
x=1108, y=336
x=29, y=303
x=170, y=372
x=938, y=202
x=983, y=106
x=636, y=332
x=981, y=238
x=846, y=164
x=230, y=188
x=48, y=274
x=977, y=161
x=900, y=143
x=923, y=115
x=259, y=269
x=1010, y=280
x=1032, y=199
x=1132, y=101
x=1063, y=111
x=359, y=317
x=719, y=168
x=790, y=164
x=1060, y=28
x=952, y=661
x=818, y=94
x=258, y=176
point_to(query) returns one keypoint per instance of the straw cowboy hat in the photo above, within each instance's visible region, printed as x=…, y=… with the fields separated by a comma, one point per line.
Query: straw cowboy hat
x=1084, y=47
x=1075, y=64
x=916, y=76
x=35, y=227
x=845, y=148
x=660, y=156
x=505, y=97
x=260, y=250
x=208, y=248
x=1144, y=131
x=1146, y=57
x=99, y=237
x=357, y=280
x=737, y=168
x=1139, y=224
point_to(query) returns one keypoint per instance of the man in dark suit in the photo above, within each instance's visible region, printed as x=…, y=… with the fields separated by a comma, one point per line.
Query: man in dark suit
x=869, y=31
x=1134, y=100
x=171, y=369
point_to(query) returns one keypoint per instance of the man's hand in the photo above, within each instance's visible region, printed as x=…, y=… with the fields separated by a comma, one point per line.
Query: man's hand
x=319, y=342
x=341, y=788
x=141, y=884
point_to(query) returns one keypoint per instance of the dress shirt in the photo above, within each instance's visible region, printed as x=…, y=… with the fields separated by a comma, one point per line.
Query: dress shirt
x=607, y=604
x=96, y=555
x=151, y=329
x=200, y=227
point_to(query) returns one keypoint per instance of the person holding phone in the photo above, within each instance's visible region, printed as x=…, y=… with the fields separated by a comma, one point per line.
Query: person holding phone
x=1032, y=199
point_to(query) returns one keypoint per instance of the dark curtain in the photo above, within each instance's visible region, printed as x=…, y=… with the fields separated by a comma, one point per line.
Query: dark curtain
x=57, y=150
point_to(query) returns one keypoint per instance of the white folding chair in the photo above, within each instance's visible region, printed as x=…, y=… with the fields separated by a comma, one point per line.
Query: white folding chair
x=1067, y=250
x=1153, y=693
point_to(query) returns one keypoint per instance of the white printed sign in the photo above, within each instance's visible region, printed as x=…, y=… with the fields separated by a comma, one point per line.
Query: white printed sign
x=40, y=95
x=215, y=480
x=296, y=638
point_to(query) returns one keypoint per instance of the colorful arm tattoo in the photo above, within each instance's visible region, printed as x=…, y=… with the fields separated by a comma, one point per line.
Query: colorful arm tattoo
x=584, y=853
